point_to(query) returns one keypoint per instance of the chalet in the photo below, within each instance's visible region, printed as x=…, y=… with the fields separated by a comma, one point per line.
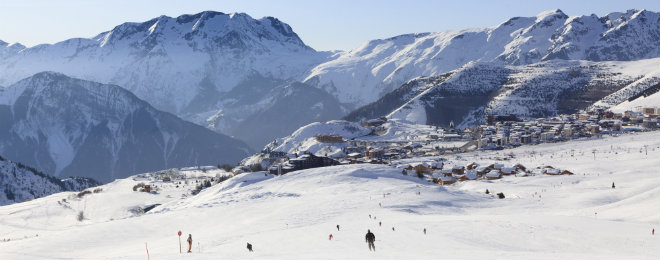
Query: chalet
x=566, y=172
x=497, y=166
x=472, y=166
x=537, y=171
x=420, y=167
x=552, y=171
x=444, y=180
x=458, y=169
x=436, y=165
x=469, y=175
x=522, y=174
x=507, y=170
x=493, y=175
x=446, y=172
x=375, y=153
x=482, y=170
x=329, y=138
x=520, y=167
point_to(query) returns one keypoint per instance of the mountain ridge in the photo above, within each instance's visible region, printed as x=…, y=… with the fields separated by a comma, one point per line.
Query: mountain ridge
x=222, y=70
x=74, y=127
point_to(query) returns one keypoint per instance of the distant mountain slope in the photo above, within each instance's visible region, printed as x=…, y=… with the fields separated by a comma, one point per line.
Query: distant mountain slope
x=210, y=68
x=20, y=183
x=286, y=110
x=542, y=89
x=369, y=72
x=73, y=127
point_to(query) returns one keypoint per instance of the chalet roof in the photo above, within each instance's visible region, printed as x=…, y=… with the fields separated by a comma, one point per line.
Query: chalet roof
x=493, y=173
x=522, y=173
x=508, y=169
x=552, y=171
x=415, y=164
x=447, y=178
x=471, y=174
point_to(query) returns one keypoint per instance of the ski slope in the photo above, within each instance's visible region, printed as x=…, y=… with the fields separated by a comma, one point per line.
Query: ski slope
x=291, y=216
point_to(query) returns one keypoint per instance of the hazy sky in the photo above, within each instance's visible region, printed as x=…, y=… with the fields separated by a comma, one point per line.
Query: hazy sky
x=323, y=25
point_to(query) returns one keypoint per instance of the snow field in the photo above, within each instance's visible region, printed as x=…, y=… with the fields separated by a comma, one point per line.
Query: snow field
x=291, y=216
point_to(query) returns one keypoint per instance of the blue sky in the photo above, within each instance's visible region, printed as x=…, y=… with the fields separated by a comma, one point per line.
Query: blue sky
x=323, y=25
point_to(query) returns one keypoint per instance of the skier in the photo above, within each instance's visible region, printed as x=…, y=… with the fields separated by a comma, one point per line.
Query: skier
x=613, y=185
x=337, y=227
x=380, y=223
x=424, y=231
x=392, y=228
x=369, y=215
x=653, y=232
x=370, y=238
x=189, y=242
x=249, y=247
x=330, y=237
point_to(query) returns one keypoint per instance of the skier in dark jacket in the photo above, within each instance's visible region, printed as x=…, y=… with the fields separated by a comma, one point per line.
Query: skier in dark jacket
x=249, y=247
x=370, y=238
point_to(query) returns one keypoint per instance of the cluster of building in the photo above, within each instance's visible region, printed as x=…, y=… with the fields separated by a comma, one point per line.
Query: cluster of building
x=500, y=132
x=508, y=131
x=451, y=174
x=305, y=161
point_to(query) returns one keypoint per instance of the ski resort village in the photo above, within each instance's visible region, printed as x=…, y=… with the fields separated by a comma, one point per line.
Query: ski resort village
x=216, y=135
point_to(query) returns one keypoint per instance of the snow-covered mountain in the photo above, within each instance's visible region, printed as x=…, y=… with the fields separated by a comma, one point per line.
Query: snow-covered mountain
x=71, y=127
x=210, y=68
x=541, y=89
x=20, y=183
x=233, y=74
x=378, y=67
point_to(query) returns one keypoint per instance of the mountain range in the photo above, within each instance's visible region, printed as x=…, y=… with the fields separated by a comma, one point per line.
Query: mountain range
x=71, y=127
x=224, y=71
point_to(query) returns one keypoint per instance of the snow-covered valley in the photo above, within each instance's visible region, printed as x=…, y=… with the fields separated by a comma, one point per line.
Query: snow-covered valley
x=291, y=216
